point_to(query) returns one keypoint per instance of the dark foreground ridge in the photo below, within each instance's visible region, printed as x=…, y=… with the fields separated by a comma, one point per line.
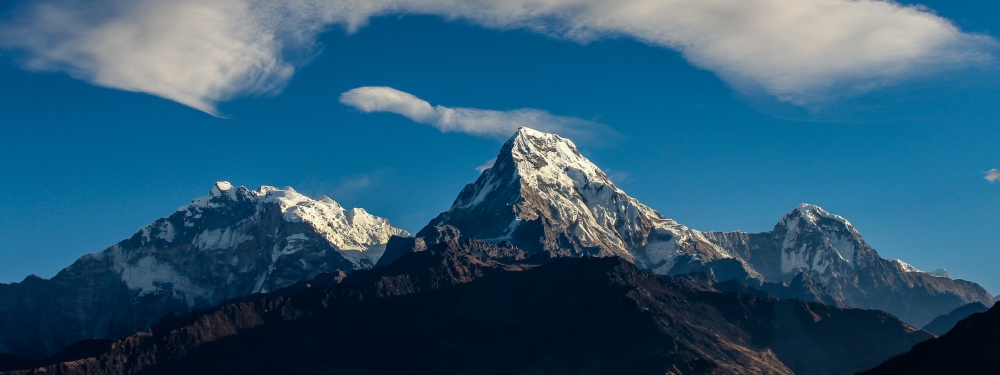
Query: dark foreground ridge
x=469, y=307
x=946, y=322
x=972, y=347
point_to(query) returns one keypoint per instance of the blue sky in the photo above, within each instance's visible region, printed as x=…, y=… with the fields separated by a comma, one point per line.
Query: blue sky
x=708, y=136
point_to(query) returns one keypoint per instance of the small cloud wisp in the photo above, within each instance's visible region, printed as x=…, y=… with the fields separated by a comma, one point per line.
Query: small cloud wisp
x=478, y=122
x=993, y=175
x=487, y=165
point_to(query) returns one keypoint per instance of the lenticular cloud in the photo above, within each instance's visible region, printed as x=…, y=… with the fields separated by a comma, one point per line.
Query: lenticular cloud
x=204, y=52
x=479, y=122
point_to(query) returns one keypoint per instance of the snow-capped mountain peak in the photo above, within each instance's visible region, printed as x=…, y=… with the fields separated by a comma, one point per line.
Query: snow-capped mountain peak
x=903, y=266
x=541, y=186
x=223, y=188
x=259, y=240
x=816, y=239
x=229, y=243
x=814, y=213
x=826, y=247
x=354, y=229
x=552, y=158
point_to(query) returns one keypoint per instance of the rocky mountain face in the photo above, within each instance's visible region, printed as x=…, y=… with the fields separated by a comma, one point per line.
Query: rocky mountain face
x=466, y=306
x=230, y=243
x=971, y=347
x=543, y=195
x=829, y=249
x=944, y=323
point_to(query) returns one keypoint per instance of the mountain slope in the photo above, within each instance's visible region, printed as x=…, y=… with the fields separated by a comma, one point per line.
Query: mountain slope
x=230, y=243
x=465, y=306
x=542, y=194
x=944, y=323
x=972, y=348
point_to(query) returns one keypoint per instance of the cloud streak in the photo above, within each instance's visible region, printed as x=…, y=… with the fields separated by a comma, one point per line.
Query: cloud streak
x=487, y=165
x=993, y=175
x=479, y=122
x=203, y=52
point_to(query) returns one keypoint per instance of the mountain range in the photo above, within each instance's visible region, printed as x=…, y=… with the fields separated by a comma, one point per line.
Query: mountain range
x=542, y=194
x=470, y=307
x=541, y=201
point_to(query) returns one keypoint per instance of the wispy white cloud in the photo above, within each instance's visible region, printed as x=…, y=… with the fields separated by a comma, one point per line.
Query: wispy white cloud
x=194, y=52
x=347, y=189
x=487, y=165
x=478, y=122
x=352, y=185
x=203, y=52
x=993, y=175
x=618, y=177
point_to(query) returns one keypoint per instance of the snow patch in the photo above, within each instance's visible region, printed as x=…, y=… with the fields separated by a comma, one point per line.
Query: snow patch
x=166, y=232
x=215, y=239
x=661, y=256
x=903, y=266
x=940, y=272
x=148, y=276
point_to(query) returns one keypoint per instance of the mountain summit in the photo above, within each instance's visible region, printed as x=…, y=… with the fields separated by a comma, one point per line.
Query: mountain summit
x=230, y=243
x=808, y=240
x=543, y=195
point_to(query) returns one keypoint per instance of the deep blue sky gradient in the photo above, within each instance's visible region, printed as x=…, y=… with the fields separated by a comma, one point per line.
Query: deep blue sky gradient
x=83, y=167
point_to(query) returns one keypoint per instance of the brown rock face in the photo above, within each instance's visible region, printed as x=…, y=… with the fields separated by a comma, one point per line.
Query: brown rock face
x=469, y=307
